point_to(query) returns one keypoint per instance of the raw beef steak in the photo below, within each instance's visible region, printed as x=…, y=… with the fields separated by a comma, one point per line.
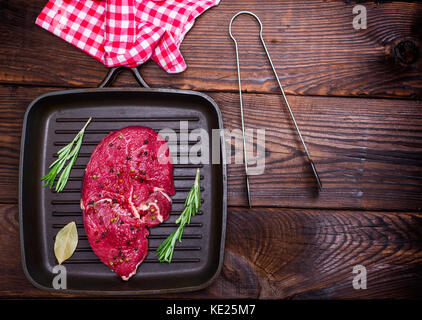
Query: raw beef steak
x=126, y=188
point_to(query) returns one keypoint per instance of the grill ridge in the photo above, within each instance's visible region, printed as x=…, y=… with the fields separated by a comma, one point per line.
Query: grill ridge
x=134, y=119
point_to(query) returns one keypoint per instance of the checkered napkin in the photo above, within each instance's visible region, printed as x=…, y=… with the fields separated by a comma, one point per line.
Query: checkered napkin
x=125, y=32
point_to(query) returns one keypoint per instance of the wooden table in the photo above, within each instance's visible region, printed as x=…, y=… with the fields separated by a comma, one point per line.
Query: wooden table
x=357, y=97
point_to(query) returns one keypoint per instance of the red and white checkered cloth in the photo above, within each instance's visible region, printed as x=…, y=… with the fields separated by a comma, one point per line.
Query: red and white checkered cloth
x=125, y=32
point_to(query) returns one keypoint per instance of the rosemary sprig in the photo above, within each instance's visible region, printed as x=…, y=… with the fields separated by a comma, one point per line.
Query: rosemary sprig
x=64, y=154
x=192, y=205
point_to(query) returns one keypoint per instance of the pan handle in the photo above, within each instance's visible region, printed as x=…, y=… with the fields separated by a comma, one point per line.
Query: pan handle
x=114, y=71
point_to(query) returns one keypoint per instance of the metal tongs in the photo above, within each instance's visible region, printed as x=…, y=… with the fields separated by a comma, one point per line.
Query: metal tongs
x=284, y=97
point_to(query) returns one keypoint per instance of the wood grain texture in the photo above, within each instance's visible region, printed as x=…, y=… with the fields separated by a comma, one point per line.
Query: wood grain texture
x=317, y=250
x=284, y=253
x=314, y=47
x=368, y=151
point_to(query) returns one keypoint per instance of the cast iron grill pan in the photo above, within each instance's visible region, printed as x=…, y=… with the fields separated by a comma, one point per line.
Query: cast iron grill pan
x=52, y=121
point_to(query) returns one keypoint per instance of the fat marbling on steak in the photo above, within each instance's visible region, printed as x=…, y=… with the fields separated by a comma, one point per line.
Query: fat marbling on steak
x=126, y=189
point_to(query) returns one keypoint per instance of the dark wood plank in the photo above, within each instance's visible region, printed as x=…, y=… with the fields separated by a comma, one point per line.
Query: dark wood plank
x=279, y=253
x=368, y=151
x=358, y=145
x=313, y=44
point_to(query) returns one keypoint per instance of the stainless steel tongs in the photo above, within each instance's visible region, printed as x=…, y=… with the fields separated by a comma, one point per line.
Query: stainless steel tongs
x=284, y=97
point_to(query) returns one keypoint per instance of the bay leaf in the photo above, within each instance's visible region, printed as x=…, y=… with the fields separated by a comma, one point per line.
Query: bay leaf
x=66, y=242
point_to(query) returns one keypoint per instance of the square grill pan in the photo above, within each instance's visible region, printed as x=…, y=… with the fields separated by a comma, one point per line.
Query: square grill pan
x=51, y=121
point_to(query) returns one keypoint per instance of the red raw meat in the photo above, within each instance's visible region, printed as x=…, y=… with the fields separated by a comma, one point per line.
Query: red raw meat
x=126, y=188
